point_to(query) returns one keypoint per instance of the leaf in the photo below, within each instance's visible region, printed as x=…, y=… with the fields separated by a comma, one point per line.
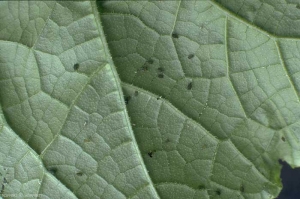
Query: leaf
x=65, y=132
x=210, y=88
x=222, y=135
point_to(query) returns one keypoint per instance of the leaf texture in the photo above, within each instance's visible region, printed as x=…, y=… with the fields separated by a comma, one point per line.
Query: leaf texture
x=219, y=98
x=67, y=133
x=211, y=89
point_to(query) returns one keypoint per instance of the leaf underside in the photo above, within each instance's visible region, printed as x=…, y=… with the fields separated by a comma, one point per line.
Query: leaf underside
x=211, y=98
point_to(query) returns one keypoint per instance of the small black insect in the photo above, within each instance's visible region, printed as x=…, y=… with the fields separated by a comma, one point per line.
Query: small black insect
x=52, y=170
x=144, y=68
x=76, y=66
x=150, y=153
x=175, y=35
x=4, y=181
x=160, y=69
x=189, y=86
x=283, y=138
x=79, y=173
x=218, y=192
x=191, y=56
x=2, y=189
x=126, y=99
x=150, y=61
x=87, y=140
x=201, y=186
x=136, y=93
x=161, y=75
x=242, y=188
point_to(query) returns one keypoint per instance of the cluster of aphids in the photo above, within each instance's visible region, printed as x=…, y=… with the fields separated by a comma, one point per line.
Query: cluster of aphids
x=4, y=181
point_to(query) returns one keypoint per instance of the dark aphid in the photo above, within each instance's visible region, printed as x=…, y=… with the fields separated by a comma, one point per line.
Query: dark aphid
x=127, y=98
x=175, y=35
x=242, y=188
x=189, y=86
x=218, y=192
x=136, y=93
x=191, y=56
x=161, y=75
x=76, y=66
x=150, y=61
x=144, y=68
x=160, y=69
x=4, y=180
x=150, y=153
x=79, y=173
x=283, y=138
x=2, y=189
x=201, y=186
x=52, y=170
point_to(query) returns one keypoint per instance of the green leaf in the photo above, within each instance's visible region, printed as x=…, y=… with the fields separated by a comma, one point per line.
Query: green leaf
x=67, y=133
x=219, y=102
x=211, y=89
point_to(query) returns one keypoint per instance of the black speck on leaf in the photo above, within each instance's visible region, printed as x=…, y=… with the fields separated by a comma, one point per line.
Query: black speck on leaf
x=144, y=68
x=189, y=86
x=136, y=93
x=160, y=75
x=160, y=69
x=201, y=186
x=150, y=153
x=79, y=173
x=218, y=192
x=150, y=61
x=175, y=35
x=52, y=170
x=283, y=138
x=191, y=56
x=4, y=181
x=127, y=98
x=2, y=189
x=242, y=188
x=76, y=66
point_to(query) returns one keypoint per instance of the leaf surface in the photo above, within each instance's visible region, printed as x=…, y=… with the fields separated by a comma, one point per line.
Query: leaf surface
x=219, y=92
x=65, y=132
x=211, y=89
